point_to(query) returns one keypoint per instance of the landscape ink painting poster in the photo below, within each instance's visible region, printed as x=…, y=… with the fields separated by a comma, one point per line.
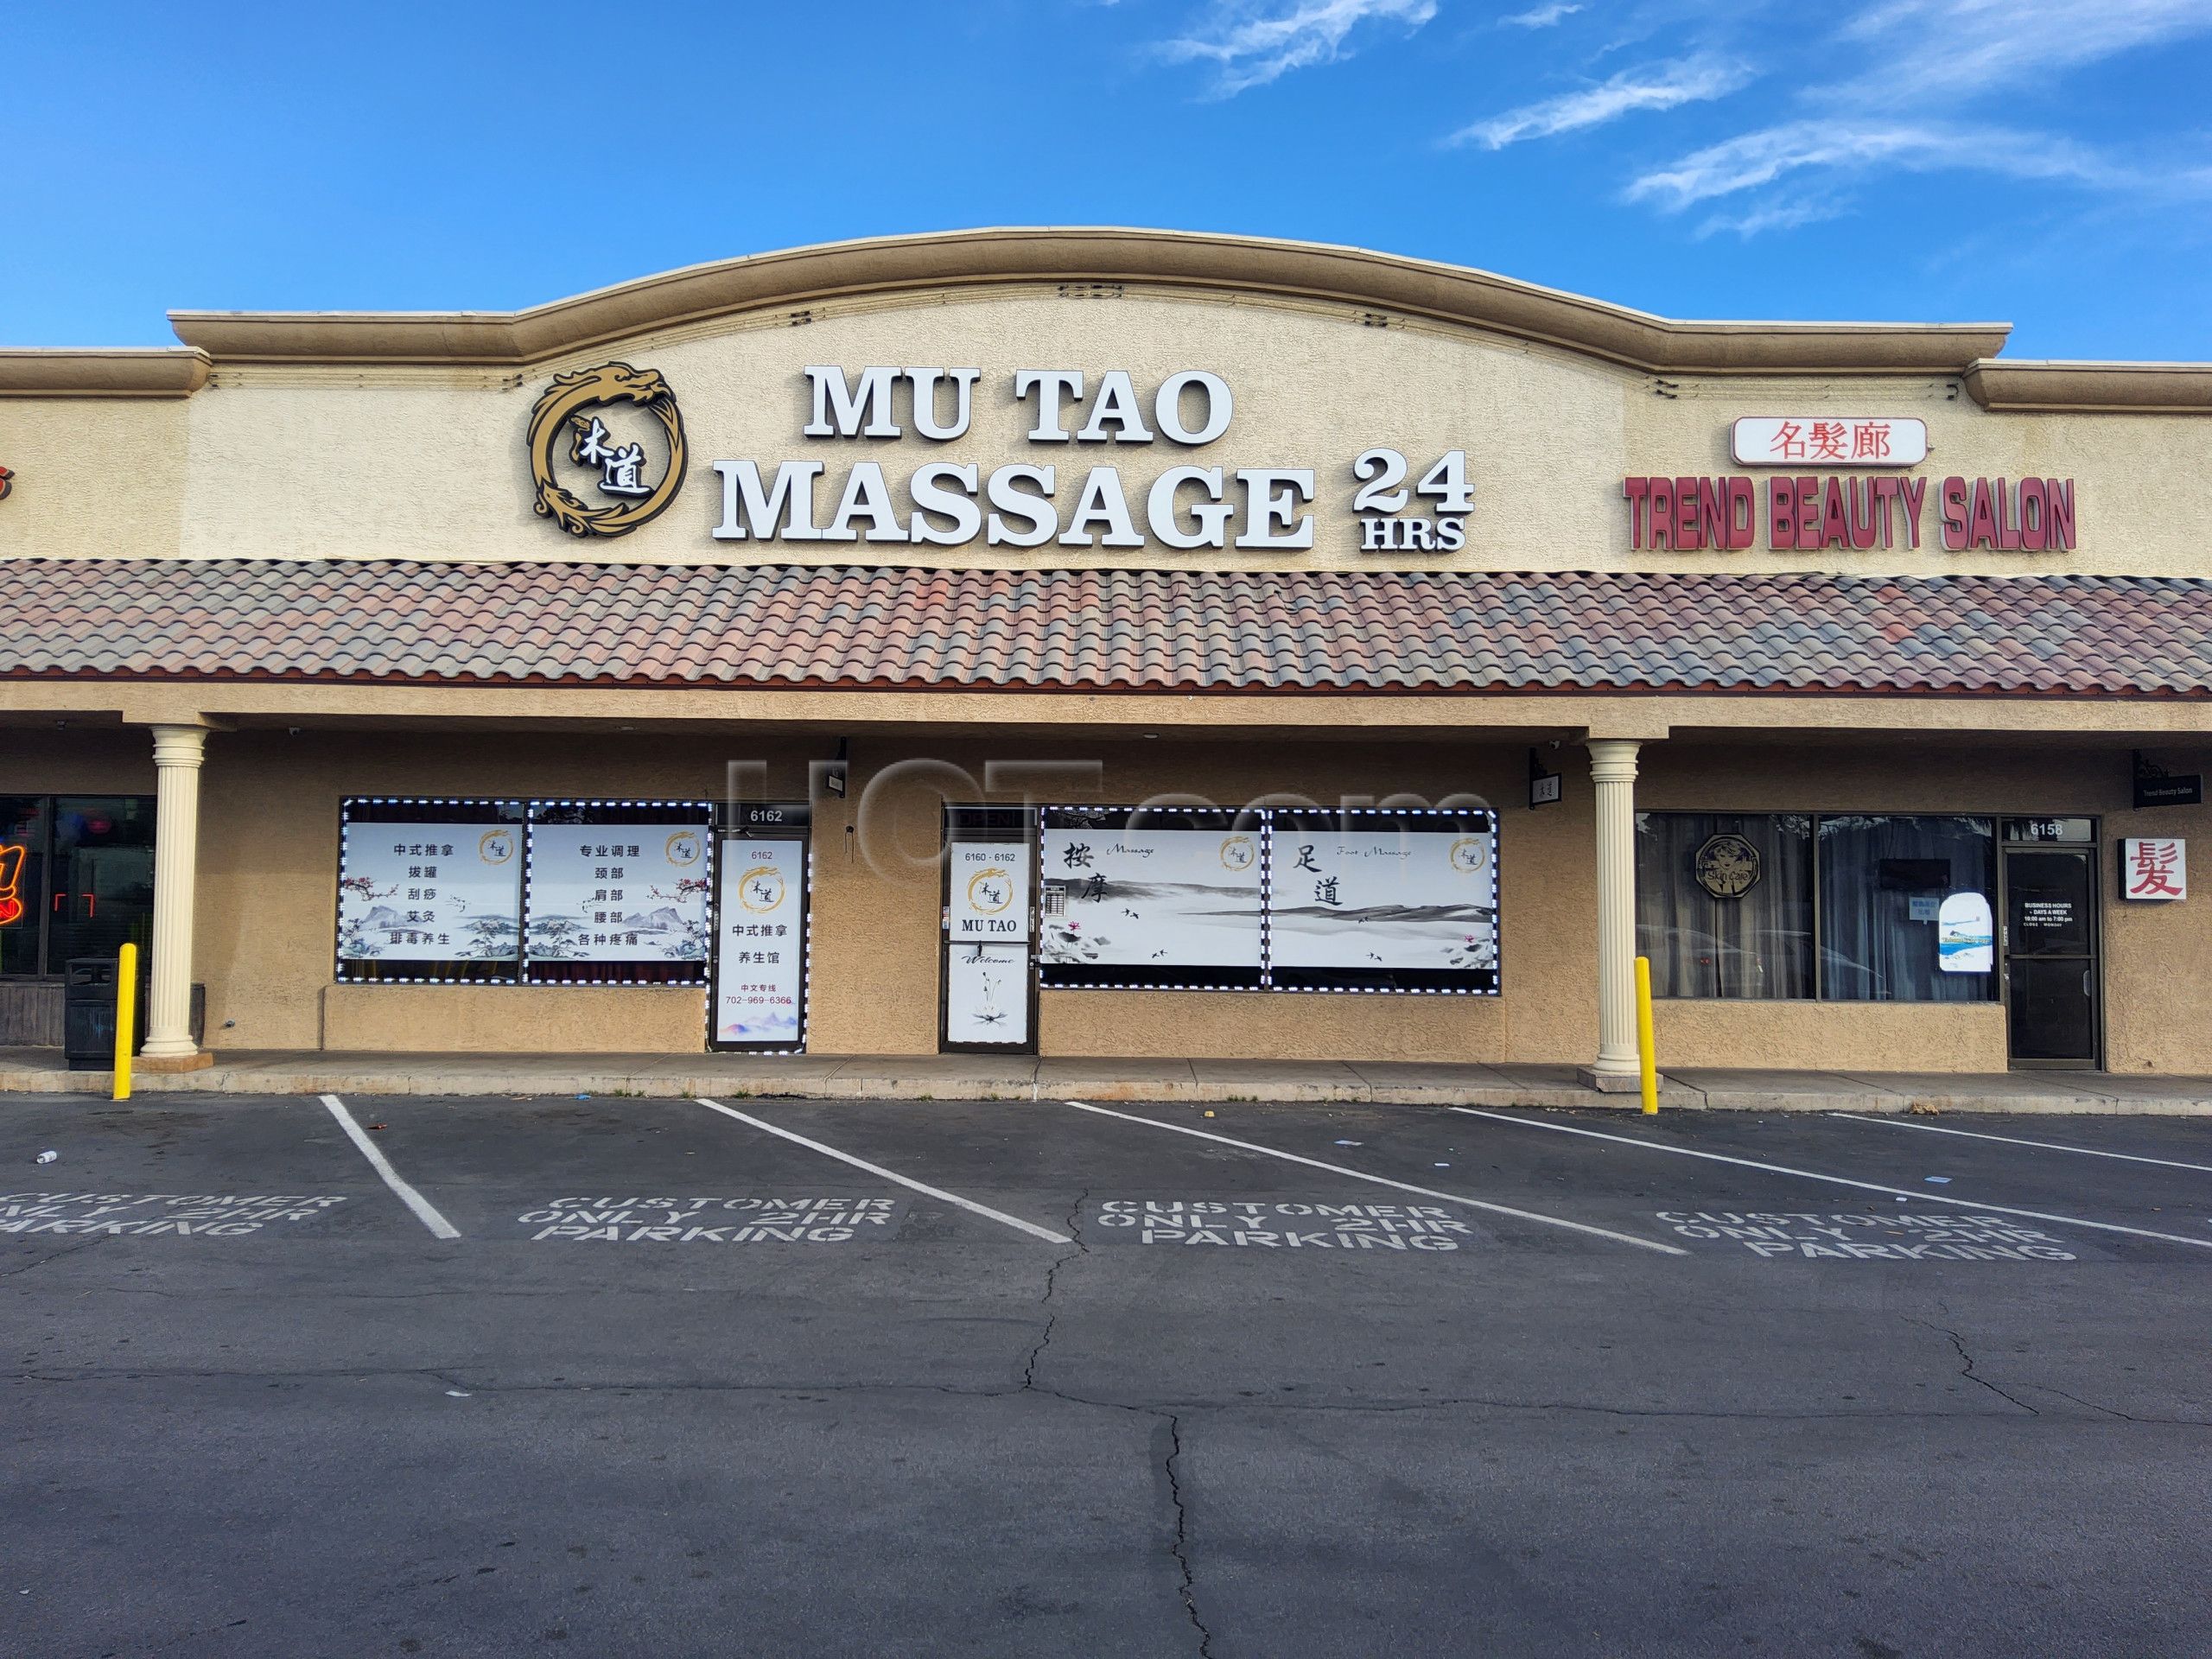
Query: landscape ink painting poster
x=635, y=894
x=430, y=893
x=1383, y=901
x=1170, y=897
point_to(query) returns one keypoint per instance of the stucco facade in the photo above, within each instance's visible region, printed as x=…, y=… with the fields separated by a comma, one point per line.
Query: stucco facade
x=302, y=441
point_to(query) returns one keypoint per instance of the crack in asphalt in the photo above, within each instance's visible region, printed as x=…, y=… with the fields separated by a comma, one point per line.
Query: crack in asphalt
x=1178, y=1542
x=55, y=1257
x=1051, y=1285
x=2112, y=1411
x=1181, y=1546
x=1966, y=1361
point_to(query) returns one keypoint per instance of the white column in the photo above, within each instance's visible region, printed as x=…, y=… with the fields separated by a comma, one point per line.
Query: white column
x=1612, y=769
x=178, y=750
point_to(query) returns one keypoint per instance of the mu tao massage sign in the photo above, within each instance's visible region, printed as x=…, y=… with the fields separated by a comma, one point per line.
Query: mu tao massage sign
x=608, y=451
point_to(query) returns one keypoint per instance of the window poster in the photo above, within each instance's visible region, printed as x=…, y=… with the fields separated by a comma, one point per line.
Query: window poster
x=1383, y=900
x=618, y=894
x=429, y=891
x=1966, y=935
x=760, y=944
x=987, y=994
x=1167, y=897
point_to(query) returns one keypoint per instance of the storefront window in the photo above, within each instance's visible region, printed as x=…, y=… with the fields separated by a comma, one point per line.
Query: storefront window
x=23, y=881
x=103, y=888
x=1725, y=903
x=1845, y=907
x=1883, y=883
x=76, y=878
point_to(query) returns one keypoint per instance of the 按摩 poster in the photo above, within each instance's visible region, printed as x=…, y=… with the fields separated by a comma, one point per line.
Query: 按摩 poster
x=430, y=893
x=1171, y=902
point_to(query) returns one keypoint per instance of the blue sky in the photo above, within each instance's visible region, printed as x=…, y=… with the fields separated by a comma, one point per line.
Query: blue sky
x=2043, y=162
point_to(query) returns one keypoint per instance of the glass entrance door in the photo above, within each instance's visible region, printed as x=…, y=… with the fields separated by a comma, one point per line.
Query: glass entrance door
x=2050, y=955
x=988, y=1003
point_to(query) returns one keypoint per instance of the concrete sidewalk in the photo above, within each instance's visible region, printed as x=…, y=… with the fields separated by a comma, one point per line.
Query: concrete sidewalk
x=973, y=1076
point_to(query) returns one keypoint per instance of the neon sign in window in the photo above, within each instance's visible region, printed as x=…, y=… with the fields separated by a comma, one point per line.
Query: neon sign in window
x=11, y=871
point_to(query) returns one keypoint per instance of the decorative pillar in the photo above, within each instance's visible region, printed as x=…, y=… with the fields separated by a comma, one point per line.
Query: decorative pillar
x=178, y=750
x=1613, y=769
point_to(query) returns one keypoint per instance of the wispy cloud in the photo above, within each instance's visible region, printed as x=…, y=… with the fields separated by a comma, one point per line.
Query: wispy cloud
x=1539, y=17
x=1930, y=46
x=1252, y=43
x=1778, y=216
x=1853, y=143
x=1656, y=86
x=1935, y=55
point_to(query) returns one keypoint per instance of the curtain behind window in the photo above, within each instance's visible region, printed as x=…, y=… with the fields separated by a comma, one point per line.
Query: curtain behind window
x=1759, y=945
x=1883, y=879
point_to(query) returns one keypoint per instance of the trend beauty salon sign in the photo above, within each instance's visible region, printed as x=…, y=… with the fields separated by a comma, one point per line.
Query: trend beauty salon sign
x=1811, y=512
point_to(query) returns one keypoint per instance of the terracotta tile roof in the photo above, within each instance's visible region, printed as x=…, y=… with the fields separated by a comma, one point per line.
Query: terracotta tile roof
x=1104, y=630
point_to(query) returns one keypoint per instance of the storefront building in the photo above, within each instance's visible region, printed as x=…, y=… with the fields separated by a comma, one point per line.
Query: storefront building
x=1110, y=643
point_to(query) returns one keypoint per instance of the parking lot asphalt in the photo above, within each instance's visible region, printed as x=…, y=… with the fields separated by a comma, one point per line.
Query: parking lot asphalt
x=618, y=1376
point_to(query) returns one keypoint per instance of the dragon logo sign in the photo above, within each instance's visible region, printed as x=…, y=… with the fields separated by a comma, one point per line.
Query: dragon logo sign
x=577, y=407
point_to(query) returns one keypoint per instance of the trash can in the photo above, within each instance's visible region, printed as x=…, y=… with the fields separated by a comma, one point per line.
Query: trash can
x=88, y=1011
x=88, y=1014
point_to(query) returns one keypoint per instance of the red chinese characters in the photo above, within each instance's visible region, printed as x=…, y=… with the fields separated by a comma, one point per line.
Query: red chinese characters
x=2155, y=869
x=1837, y=440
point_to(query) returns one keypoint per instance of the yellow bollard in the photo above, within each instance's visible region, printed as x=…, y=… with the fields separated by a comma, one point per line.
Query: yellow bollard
x=1647, y=1060
x=126, y=1014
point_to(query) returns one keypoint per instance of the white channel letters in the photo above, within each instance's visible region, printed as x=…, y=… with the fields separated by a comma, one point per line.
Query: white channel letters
x=1056, y=498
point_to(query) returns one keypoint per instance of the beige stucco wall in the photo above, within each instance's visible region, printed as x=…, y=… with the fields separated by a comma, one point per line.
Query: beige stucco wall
x=270, y=853
x=2158, y=958
x=94, y=477
x=288, y=461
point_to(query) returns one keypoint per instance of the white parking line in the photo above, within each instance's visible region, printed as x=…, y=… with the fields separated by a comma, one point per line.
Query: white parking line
x=425, y=1211
x=1379, y=1180
x=1949, y=1200
x=969, y=1204
x=2015, y=1140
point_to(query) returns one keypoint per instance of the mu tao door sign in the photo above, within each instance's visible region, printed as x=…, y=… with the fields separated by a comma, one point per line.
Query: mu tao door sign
x=989, y=978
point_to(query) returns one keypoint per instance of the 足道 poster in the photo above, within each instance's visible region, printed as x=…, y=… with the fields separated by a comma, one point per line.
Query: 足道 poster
x=1381, y=906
